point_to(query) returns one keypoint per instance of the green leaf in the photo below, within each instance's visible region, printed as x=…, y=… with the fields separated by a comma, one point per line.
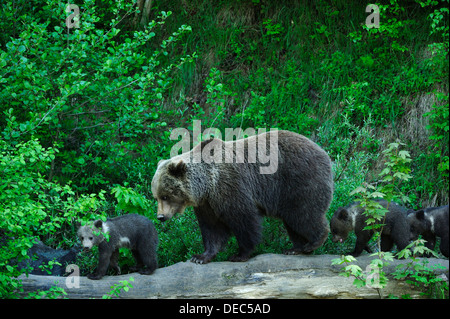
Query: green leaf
x=377, y=195
x=359, y=283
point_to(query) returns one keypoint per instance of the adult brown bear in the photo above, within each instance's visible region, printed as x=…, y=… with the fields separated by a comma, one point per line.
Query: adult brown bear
x=230, y=192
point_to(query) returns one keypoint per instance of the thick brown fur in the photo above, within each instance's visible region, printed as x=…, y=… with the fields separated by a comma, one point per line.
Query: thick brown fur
x=232, y=198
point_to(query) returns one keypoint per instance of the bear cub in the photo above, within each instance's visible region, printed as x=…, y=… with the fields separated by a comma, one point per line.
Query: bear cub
x=133, y=231
x=351, y=217
x=431, y=222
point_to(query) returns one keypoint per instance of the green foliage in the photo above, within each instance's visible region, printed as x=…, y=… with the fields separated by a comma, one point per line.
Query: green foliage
x=417, y=273
x=216, y=98
x=129, y=200
x=116, y=289
x=32, y=207
x=439, y=125
x=52, y=293
x=179, y=239
x=373, y=277
x=396, y=171
x=96, y=90
x=49, y=266
x=273, y=30
x=286, y=106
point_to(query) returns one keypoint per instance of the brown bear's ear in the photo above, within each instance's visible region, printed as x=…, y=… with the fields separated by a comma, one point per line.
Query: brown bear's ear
x=98, y=223
x=420, y=214
x=177, y=169
x=343, y=214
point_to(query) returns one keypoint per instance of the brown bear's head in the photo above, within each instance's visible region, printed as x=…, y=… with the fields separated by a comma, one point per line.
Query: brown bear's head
x=171, y=188
x=341, y=224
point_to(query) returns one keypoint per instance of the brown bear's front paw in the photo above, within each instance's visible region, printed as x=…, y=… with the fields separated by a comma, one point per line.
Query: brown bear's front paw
x=200, y=259
x=94, y=277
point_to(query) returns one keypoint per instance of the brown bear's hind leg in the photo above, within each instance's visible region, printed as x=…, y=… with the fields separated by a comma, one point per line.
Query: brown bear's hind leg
x=248, y=234
x=308, y=240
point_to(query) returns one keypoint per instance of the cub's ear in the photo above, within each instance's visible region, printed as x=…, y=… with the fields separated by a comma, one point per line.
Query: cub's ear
x=177, y=169
x=342, y=214
x=98, y=224
x=160, y=162
x=420, y=214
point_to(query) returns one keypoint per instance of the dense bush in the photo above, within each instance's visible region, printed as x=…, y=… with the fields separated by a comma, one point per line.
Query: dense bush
x=34, y=208
x=86, y=113
x=92, y=92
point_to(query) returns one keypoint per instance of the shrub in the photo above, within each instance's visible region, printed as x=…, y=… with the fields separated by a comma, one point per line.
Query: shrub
x=33, y=207
x=94, y=88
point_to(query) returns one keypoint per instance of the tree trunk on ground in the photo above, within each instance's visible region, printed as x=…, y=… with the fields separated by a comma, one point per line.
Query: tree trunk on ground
x=265, y=276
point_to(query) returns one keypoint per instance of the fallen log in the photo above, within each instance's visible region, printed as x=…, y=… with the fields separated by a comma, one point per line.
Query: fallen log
x=264, y=276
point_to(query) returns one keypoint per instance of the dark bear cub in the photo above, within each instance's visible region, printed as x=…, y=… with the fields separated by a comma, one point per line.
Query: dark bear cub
x=133, y=231
x=351, y=217
x=431, y=222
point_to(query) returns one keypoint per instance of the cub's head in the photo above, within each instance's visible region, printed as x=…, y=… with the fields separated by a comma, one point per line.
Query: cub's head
x=418, y=223
x=91, y=235
x=171, y=188
x=341, y=224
